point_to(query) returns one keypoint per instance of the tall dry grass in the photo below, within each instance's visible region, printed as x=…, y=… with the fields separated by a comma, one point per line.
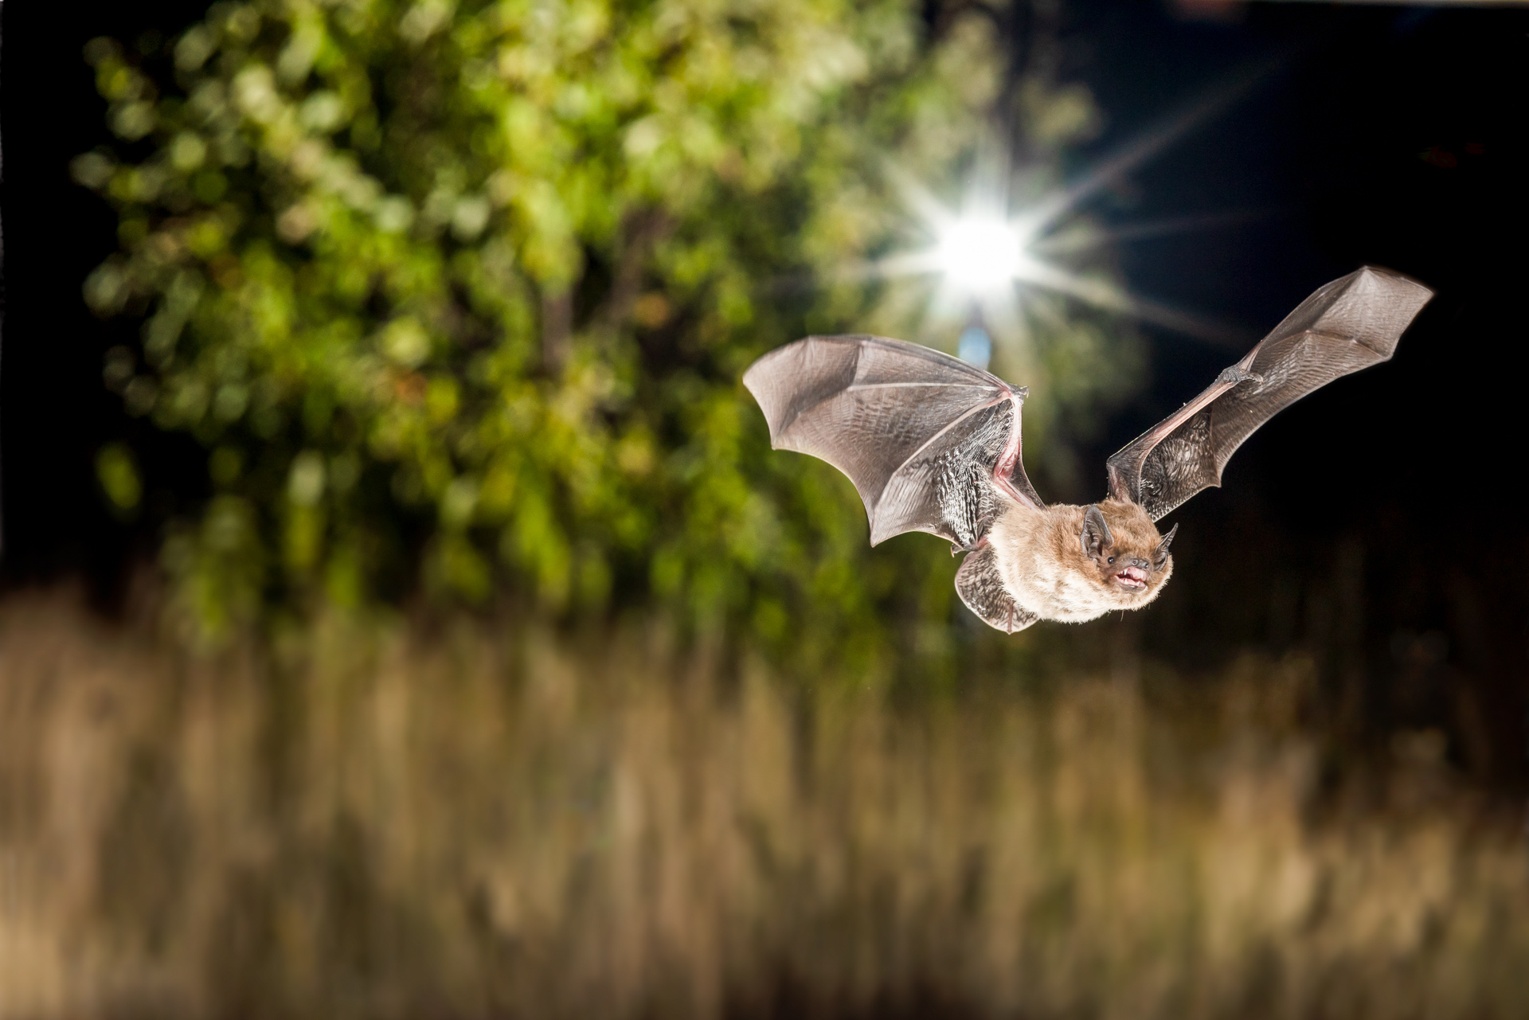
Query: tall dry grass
x=468, y=822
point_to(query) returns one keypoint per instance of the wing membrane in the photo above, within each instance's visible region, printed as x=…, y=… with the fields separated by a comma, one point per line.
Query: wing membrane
x=918, y=432
x=1349, y=324
x=981, y=588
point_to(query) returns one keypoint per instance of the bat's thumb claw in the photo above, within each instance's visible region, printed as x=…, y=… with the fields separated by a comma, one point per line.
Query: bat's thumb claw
x=1235, y=375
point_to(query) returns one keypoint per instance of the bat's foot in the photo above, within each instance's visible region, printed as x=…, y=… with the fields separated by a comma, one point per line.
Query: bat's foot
x=957, y=550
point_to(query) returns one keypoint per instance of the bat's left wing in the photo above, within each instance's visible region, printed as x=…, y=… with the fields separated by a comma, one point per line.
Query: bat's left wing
x=1352, y=323
x=925, y=438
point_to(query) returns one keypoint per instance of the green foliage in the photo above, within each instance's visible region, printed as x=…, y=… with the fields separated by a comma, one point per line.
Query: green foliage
x=459, y=292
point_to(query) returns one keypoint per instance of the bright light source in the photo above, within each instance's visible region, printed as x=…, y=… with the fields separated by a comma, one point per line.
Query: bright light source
x=981, y=254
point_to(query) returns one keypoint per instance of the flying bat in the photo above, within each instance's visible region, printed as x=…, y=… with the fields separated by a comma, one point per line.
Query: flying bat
x=933, y=444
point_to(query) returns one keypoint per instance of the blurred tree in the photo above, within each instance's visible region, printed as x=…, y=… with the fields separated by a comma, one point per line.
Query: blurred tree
x=459, y=292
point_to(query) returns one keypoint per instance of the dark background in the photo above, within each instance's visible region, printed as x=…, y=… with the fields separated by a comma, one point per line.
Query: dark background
x=1372, y=525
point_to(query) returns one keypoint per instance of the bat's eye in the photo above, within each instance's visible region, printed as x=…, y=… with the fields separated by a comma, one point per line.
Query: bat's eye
x=1110, y=560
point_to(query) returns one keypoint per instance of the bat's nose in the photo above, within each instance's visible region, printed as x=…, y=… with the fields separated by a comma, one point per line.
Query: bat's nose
x=1137, y=562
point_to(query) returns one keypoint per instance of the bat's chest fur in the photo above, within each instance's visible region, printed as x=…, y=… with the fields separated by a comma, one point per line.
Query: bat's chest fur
x=1044, y=568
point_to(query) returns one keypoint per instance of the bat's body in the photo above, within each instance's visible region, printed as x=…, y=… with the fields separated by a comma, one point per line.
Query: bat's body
x=933, y=444
x=1051, y=573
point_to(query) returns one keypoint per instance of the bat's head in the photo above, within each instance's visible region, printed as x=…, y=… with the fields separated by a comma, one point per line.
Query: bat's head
x=1126, y=556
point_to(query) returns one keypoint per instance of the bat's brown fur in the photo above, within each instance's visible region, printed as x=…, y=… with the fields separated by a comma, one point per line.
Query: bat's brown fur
x=1045, y=567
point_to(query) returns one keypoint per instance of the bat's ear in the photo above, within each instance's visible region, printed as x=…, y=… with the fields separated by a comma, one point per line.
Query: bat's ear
x=1160, y=554
x=1096, y=533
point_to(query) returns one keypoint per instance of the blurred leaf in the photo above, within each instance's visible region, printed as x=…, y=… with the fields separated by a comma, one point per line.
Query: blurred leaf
x=117, y=472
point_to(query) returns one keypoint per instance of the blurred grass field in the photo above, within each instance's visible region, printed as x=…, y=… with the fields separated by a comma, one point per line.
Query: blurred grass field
x=496, y=819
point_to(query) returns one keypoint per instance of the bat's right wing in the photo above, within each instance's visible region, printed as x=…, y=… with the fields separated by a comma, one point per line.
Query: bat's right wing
x=1352, y=323
x=924, y=437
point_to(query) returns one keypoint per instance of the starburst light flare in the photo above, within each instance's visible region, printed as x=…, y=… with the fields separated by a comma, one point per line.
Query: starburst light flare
x=1006, y=259
x=981, y=255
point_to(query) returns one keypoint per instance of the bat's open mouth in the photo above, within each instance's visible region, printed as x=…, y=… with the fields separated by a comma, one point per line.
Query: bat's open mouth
x=1132, y=578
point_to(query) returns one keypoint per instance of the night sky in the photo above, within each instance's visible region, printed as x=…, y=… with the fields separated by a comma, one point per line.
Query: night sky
x=1390, y=136
x=1394, y=136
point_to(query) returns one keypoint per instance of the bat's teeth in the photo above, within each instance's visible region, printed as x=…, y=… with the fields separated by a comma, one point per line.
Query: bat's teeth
x=1132, y=577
